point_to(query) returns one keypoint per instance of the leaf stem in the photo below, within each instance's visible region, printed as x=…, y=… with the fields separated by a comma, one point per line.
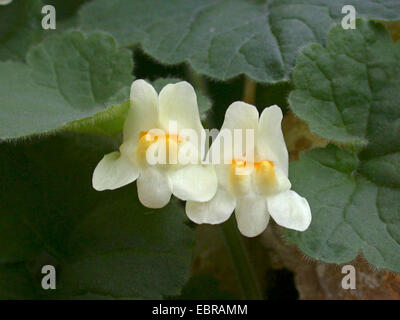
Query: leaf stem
x=197, y=80
x=249, y=92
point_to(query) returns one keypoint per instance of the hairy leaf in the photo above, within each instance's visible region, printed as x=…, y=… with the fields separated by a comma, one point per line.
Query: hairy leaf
x=101, y=243
x=350, y=212
x=20, y=28
x=349, y=92
x=67, y=77
x=225, y=38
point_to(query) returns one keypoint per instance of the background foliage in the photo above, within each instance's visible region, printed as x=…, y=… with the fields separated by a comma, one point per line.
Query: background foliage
x=63, y=99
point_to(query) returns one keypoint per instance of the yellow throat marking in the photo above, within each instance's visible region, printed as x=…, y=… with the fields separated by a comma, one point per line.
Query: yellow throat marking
x=169, y=141
x=243, y=174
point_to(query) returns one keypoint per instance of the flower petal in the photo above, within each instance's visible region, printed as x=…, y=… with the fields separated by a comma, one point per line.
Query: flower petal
x=251, y=215
x=290, y=210
x=178, y=102
x=154, y=188
x=270, y=143
x=215, y=211
x=194, y=182
x=143, y=112
x=229, y=145
x=113, y=171
x=241, y=115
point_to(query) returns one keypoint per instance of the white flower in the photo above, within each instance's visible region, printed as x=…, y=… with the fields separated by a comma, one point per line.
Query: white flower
x=255, y=187
x=5, y=2
x=149, y=113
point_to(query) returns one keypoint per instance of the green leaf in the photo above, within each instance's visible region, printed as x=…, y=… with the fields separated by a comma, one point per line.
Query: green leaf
x=66, y=14
x=225, y=38
x=350, y=212
x=20, y=28
x=65, y=9
x=67, y=77
x=349, y=92
x=109, y=122
x=101, y=243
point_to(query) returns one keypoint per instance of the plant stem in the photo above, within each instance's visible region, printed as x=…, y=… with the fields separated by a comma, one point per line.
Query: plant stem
x=196, y=79
x=249, y=92
x=241, y=260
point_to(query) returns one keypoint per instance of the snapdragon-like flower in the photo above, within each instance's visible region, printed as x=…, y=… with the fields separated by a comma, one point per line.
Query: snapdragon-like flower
x=255, y=184
x=147, y=136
